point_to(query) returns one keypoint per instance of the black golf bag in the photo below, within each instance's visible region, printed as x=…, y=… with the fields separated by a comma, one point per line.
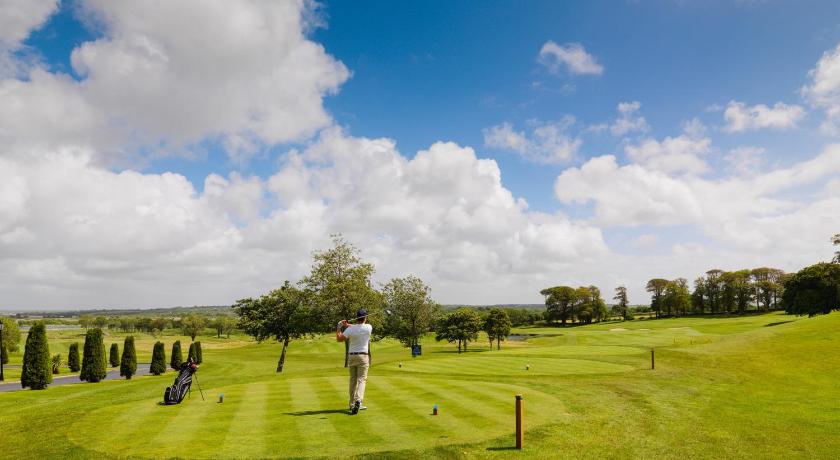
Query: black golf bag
x=176, y=393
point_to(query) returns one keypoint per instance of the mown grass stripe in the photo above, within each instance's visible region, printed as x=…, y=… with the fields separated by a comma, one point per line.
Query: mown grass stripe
x=361, y=422
x=448, y=401
x=247, y=421
x=309, y=417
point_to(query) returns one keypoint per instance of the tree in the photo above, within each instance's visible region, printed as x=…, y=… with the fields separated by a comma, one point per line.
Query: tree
x=559, y=303
x=282, y=315
x=93, y=358
x=835, y=240
x=338, y=284
x=813, y=290
x=676, y=299
x=657, y=287
x=497, y=326
x=698, y=297
x=621, y=298
x=55, y=363
x=224, y=325
x=193, y=325
x=176, y=359
x=714, y=289
x=198, y=354
x=36, y=373
x=73, y=357
x=100, y=322
x=11, y=334
x=460, y=326
x=86, y=321
x=114, y=355
x=192, y=353
x=412, y=309
x=158, y=359
x=128, y=363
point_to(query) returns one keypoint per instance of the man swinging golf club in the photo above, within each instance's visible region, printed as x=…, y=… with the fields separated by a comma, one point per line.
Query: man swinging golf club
x=358, y=334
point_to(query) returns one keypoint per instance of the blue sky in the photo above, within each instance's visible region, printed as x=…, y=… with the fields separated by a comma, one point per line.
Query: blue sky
x=215, y=144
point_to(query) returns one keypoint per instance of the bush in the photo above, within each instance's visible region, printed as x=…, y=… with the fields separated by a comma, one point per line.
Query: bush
x=56, y=364
x=73, y=357
x=11, y=334
x=36, y=372
x=192, y=353
x=198, y=353
x=158, y=359
x=176, y=359
x=114, y=356
x=128, y=364
x=93, y=359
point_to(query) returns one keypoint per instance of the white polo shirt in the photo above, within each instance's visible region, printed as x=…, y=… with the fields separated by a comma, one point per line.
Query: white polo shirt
x=359, y=337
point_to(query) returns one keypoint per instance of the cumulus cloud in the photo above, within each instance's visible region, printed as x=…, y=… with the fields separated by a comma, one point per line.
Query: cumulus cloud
x=548, y=143
x=745, y=159
x=740, y=117
x=628, y=121
x=17, y=19
x=680, y=154
x=245, y=75
x=571, y=57
x=824, y=89
x=745, y=214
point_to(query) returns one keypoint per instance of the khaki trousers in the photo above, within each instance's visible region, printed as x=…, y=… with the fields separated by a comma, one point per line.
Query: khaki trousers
x=358, y=365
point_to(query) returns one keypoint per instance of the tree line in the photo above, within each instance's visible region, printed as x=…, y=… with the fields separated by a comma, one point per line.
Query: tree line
x=338, y=284
x=223, y=325
x=39, y=366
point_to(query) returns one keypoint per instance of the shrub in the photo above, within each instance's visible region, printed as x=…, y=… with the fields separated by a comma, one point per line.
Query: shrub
x=128, y=364
x=158, y=359
x=114, y=356
x=198, y=353
x=73, y=357
x=93, y=358
x=176, y=359
x=192, y=353
x=36, y=372
x=11, y=334
x=56, y=364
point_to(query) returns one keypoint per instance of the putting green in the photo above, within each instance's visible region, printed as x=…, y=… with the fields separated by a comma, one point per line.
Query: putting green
x=508, y=365
x=313, y=411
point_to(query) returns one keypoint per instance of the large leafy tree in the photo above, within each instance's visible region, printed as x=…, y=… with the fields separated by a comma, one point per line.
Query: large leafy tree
x=698, y=297
x=656, y=287
x=835, y=240
x=412, y=309
x=224, y=325
x=559, y=303
x=94, y=366
x=282, y=314
x=11, y=334
x=128, y=363
x=813, y=290
x=497, y=326
x=338, y=285
x=193, y=325
x=37, y=366
x=460, y=326
x=621, y=302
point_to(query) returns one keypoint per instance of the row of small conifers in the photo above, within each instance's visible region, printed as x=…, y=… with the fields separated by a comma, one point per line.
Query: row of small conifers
x=39, y=366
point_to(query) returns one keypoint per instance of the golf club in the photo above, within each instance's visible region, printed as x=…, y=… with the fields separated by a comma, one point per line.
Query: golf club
x=387, y=312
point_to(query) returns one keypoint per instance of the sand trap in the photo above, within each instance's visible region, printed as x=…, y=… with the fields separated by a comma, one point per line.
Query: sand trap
x=618, y=329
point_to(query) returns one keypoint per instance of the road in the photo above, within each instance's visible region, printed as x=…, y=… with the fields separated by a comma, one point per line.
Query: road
x=113, y=374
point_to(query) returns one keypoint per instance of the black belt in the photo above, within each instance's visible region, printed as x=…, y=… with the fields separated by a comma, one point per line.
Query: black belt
x=362, y=353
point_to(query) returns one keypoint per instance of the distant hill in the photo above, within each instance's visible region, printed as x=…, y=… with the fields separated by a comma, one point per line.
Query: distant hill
x=211, y=310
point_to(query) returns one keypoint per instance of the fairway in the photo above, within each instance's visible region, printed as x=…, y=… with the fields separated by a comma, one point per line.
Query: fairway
x=727, y=387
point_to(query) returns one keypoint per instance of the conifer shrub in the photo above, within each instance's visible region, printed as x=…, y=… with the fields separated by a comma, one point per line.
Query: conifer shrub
x=73, y=361
x=158, y=359
x=37, y=366
x=198, y=354
x=176, y=359
x=192, y=353
x=128, y=364
x=94, y=365
x=114, y=356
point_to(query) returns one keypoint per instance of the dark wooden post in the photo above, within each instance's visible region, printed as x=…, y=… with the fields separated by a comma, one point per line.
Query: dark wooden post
x=651, y=359
x=520, y=431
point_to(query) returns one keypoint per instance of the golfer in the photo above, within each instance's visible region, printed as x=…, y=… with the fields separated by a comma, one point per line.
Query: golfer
x=358, y=335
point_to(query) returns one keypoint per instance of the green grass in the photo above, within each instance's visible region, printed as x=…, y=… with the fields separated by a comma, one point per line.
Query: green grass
x=762, y=386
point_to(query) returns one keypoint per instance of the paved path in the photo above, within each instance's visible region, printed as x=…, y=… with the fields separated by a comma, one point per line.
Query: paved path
x=113, y=374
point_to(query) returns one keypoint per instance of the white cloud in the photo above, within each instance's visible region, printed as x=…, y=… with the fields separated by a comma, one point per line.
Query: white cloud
x=740, y=117
x=571, y=56
x=548, y=143
x=745, y=160
x=628, y=121
x=17, y=19
x=154, y=83
x=681, y=154
x=824, y=90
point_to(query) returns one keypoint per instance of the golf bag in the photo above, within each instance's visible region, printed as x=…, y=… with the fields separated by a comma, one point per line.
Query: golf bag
x=176, y=393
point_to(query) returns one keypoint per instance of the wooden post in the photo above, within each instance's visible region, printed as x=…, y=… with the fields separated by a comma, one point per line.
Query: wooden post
x=520, y=432
x=651, y=359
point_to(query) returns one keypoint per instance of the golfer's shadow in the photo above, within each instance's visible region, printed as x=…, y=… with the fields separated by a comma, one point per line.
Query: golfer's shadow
x=316, y=412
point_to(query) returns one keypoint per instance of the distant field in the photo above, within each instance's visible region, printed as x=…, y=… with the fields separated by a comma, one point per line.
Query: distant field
x=758, y=386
